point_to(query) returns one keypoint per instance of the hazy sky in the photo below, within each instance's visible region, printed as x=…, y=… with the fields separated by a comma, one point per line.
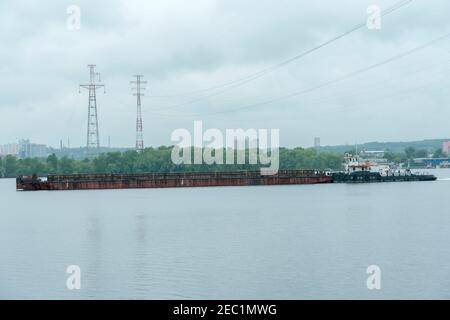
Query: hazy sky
x=183, y=46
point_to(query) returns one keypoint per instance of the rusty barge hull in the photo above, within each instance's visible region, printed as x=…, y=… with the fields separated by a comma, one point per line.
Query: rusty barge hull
x=169, y=180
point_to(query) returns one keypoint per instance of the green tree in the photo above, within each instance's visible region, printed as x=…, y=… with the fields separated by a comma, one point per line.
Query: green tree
x=52, y=163
x=421, y=153
x=10, y=166
x=389, y=155
x=438, y=153
x=410, y=152
x=2, y=169
x=66, y=165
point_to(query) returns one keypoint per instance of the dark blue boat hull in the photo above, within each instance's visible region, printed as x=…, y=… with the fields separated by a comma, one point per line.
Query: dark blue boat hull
x=368, y=177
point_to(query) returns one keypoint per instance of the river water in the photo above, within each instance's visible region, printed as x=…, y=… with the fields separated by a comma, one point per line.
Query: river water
x=278, y=242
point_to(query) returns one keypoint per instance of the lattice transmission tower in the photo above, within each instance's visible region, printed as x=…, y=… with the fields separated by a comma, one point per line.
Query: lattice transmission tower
x=93, y=139
x=138, y=87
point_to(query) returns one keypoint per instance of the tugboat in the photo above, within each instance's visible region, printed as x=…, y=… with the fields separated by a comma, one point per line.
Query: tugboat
x=364, y=171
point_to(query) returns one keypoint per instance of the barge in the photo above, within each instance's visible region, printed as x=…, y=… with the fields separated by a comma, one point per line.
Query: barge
x=356, y=171
x=169, y=180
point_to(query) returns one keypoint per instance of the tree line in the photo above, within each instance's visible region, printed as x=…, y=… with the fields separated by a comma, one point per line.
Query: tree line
x=411, y=153
x=157, y=160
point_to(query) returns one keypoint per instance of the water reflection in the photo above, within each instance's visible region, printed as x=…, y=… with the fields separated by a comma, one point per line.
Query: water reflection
x=92, y=271
x=142, y=257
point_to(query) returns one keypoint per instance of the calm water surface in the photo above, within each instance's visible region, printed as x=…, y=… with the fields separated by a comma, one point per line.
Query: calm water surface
x=280, y=242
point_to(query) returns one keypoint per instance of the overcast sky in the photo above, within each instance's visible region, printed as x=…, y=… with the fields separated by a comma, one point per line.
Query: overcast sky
x=184, y=46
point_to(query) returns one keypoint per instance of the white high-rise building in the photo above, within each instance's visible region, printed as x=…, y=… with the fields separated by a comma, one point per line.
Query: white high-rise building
x=32, y=150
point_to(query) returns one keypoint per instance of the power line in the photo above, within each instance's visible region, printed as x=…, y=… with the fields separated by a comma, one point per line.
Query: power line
x=376, y=98
x=373, y=86
x=246, y=79
x=325, y=84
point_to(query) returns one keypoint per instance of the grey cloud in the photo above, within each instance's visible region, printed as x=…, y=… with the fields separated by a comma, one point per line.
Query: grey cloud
x=183, y=46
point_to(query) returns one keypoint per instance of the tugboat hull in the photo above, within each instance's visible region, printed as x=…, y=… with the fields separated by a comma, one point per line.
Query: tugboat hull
x=367, y=177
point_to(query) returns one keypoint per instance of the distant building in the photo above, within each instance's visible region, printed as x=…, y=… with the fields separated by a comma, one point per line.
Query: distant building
x=32, y=150
x=316, y=142
x=432, y=162
x=9, y=149
x=446, y=147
